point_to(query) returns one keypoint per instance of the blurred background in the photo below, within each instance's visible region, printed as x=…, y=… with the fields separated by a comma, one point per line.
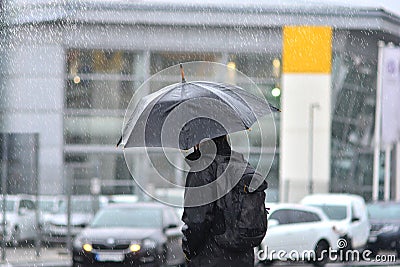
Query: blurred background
x=68, y=70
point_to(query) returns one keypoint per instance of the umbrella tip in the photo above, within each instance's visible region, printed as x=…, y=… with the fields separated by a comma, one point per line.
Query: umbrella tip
x=274, y=108
x=119, y=142
x=182, y=73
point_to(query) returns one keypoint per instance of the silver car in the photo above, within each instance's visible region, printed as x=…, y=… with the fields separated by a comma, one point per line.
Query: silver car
x=55, y=229
x=20, y=218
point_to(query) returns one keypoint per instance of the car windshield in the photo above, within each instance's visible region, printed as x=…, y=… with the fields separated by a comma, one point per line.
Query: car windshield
x=10, y=205
x=387, y=212
x=128, y=217
x=77, y=206
x=46, y=205
x=334, y=212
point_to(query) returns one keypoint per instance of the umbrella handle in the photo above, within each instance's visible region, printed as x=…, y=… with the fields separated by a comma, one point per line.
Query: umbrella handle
x=182, y=73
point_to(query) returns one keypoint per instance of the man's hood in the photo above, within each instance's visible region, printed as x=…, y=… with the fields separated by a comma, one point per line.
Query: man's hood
x=229, y=170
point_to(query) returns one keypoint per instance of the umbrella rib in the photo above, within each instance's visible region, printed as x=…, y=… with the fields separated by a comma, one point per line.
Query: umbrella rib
x=142, y=104
x=231, y=106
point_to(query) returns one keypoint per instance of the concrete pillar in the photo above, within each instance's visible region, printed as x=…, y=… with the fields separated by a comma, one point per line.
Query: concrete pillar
x=33, y=97
x=306, y=111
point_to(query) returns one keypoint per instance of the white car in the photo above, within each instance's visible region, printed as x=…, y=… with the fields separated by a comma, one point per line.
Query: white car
x=297, y=232
x=48, y=205
x=20, y=218
x=350, y=214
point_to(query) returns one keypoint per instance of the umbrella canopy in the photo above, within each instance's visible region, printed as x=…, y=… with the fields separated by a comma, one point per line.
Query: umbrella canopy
x=181, y=115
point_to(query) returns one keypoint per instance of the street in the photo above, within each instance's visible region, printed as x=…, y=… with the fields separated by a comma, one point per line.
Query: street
x=26, y=256
x=59, y=257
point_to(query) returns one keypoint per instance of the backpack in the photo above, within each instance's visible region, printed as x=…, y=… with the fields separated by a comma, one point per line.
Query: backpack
x=241, y=216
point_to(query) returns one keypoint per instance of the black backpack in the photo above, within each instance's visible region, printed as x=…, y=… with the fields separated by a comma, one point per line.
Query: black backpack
x=241, y=216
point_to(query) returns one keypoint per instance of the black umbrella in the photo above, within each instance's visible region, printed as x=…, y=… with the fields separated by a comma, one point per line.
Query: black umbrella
x=181, y=115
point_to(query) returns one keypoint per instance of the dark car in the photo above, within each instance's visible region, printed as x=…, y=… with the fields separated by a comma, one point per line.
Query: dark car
x=134, y=234
x=385, y=227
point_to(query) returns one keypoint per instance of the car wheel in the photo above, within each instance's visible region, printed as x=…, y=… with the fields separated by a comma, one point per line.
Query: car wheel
x=15, y=236
x=321, y=253
x=348, y=247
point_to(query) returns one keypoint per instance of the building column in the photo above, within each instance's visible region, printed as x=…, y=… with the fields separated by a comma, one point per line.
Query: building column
x=306, y=111
x=33, y=98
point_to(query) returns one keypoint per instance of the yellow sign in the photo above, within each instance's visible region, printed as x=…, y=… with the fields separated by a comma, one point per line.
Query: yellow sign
x=307, y=49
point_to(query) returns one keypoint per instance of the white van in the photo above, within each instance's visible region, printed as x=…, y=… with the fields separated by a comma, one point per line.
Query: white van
x=349, y=211
x=20, y=218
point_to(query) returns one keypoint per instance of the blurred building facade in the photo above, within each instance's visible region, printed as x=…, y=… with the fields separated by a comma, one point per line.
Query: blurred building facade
x=70, y=68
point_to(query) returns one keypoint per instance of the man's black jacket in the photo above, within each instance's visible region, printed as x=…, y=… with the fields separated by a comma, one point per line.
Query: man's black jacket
x=201, y=222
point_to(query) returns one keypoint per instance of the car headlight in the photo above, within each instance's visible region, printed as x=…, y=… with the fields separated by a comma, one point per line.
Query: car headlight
x=389, y=228
x=79, y=243
x=87, y=247
x=134, y=247
x=149, y=243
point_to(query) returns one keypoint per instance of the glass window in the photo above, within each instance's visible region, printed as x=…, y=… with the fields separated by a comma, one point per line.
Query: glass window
x=299, y=216
x=99, y=61
x=100, y=83
x=92, y=129
x=162, y=60
x=98, y=94
x=353, y=110
x=289, y=216
x=334, y=212
x=10, y=205
x=282, y=216
x=384, y=211
x=47, y=205
x=263, y=69
x=27, y=204
x=82, y=166
x=257, y=65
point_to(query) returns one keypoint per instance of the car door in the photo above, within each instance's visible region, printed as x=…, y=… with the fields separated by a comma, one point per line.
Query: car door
x=305, y=229
x=358, y=225
x=276, y=238
x=296, y=232
x=173, y=234
x=26, y=212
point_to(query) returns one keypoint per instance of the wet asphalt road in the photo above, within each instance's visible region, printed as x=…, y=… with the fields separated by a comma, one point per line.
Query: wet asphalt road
x=59, y=257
